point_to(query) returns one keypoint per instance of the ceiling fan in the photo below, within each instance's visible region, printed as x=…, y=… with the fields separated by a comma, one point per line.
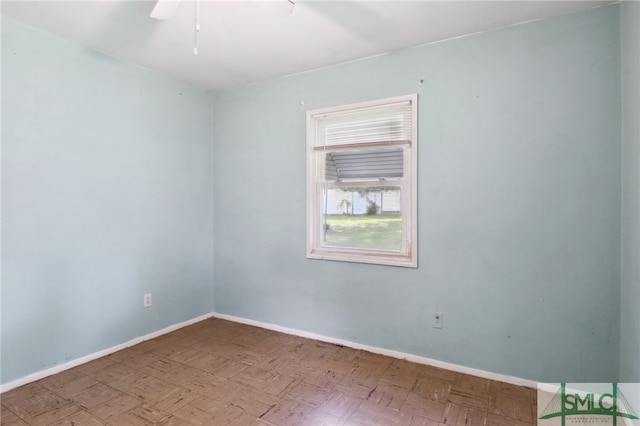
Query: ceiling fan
x=164, y=9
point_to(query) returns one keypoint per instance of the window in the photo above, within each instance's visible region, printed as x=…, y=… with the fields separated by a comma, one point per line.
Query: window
x=361, y=182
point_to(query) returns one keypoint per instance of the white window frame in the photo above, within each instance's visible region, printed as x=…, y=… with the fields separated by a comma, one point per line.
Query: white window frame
x=407, y=256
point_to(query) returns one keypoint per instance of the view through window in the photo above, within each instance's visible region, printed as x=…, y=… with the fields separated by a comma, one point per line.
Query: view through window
x=361, y=182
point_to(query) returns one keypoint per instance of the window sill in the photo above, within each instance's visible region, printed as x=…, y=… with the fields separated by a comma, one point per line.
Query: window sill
x=360, y=256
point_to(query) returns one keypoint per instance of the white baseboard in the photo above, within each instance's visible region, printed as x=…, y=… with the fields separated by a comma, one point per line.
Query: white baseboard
x=388, y=352
x=373, y=349
x=74, y=363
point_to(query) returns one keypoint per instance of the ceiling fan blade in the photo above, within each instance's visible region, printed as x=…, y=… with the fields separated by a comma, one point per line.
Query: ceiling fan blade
x=164, y=9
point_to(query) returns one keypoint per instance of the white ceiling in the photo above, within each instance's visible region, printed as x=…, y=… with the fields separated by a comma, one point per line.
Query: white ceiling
x=246, y=41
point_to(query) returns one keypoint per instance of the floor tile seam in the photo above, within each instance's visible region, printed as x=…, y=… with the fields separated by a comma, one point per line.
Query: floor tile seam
x=29, y=419
x=120, y=394
x=508, y=416
x=106, y=419
x=13, y=412
x=71, y=397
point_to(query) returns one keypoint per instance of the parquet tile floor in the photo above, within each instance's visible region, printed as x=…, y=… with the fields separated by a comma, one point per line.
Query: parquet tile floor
x=218, y=372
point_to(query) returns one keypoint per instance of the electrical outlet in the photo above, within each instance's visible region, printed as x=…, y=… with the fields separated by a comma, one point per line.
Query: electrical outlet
x=147, y=300
x=436, y=320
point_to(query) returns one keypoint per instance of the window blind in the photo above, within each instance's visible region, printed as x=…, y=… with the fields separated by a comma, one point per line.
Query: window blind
x=388, y=123
x=364, y=164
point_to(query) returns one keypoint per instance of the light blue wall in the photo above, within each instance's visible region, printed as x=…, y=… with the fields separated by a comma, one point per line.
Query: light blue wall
x=106, y=195
x=630, y=291
x=108, y=187
x=519, y=203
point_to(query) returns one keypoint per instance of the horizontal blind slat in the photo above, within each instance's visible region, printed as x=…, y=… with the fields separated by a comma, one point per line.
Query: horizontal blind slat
x=363, y=146
x=386, y=123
